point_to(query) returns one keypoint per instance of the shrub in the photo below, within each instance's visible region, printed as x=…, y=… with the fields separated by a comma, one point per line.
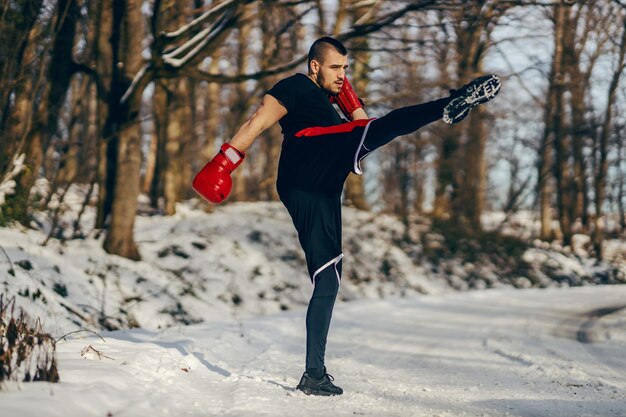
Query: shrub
x=26, y=352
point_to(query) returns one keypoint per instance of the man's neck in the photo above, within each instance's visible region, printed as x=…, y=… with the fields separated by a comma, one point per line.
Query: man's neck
x=312, y=78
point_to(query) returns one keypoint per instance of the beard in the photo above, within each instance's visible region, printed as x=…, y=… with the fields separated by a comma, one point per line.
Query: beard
x=320, y=80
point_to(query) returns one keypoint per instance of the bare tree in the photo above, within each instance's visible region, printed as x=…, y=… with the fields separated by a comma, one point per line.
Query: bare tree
x=620, y=183
x=18, y=33
x=36, y=119
x=123, y=129
x=605, y=131
x=354, y=192
x=462, y=175
x=552, y=125
x=96, y=90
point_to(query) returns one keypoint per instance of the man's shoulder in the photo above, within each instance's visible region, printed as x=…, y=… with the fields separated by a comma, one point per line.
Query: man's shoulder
x=295, y=76
x=297, y=80
x=290, y=89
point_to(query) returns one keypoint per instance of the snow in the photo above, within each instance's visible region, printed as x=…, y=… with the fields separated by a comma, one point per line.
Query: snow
x=211, y=321
x=487, y=353
x=242, y=259
x=7, y=184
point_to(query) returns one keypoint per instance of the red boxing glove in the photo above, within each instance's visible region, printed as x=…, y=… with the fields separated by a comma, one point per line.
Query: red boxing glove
x=213, y=182
x=347, y=100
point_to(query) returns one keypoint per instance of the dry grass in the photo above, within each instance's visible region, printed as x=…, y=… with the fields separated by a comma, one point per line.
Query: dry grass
x=26, y=352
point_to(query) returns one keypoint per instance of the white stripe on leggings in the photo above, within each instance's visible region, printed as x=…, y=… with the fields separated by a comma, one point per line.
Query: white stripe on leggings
x=334, y=261
x=357, y=161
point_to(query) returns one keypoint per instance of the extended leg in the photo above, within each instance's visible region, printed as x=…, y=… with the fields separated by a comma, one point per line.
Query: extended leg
x=453, y=109
x=403, y=121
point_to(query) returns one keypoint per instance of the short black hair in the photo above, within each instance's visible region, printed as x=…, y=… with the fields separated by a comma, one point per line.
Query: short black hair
x=320, y=45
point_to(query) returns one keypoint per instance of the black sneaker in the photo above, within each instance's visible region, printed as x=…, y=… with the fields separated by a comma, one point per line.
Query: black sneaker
x=324, y=386
x=476, y=92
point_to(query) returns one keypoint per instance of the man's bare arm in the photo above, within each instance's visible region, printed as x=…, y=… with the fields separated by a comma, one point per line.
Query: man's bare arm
x=359, y=114
x=265, y=116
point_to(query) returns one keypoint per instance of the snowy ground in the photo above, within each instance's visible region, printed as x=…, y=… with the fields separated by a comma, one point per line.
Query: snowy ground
x=551, y=352
x=220, y=301
x=244, y=260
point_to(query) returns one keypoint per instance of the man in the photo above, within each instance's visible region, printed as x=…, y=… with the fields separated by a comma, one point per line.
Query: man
x=318, y=152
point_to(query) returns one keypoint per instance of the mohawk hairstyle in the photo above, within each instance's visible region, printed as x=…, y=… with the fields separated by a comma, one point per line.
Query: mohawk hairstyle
x=320, y=45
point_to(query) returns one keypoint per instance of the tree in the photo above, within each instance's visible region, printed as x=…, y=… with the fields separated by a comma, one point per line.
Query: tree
x=354, y=190
x=123, y=129
x=462, y=165
x=36, y=119
x=176, y=136
x=605, y=131
x=18, y=33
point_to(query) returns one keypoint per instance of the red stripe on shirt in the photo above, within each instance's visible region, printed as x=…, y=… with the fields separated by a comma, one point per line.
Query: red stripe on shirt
x=342, y=128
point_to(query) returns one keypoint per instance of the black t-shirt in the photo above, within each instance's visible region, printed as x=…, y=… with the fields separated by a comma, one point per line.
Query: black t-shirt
x=307, y=105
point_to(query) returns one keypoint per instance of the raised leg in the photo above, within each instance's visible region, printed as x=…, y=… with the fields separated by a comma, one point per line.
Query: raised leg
x=400, y=122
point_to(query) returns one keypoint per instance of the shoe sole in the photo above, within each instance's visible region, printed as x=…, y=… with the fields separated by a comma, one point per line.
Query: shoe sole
x=309, y=391
x=484, y=89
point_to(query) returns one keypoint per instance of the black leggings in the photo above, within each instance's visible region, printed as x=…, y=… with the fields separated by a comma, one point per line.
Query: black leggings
x=400, y=122
x=318, y=317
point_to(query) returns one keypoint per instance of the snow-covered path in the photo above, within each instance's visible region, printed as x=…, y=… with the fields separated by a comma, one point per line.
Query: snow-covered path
x=554, y=352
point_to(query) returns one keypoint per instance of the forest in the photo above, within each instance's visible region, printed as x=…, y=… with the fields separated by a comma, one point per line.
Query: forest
x=129, y=98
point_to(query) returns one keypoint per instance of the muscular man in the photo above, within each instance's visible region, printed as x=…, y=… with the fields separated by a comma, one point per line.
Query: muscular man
x=318, y=152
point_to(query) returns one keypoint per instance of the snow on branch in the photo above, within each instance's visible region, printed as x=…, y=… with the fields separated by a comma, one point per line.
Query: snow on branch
x=199, y=20
x=199, y=74
x=354, y=32
x=185, y=53
x=201, y=39
x=7, y=186
x=139, y=77
x=179, y=58
x=364, y=27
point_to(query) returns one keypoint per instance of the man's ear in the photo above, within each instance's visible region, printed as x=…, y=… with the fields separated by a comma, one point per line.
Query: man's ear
x=315, y=66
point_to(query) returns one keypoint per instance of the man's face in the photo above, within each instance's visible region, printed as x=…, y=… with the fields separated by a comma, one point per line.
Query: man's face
x=329, y=73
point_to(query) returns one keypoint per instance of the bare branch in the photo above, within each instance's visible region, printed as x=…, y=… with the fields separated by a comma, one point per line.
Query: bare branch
x=366, y=28
x=140, y=77
x=202, y=39
x=199, y=74
x=183, y=30
x=355, y=32
x=78, y=331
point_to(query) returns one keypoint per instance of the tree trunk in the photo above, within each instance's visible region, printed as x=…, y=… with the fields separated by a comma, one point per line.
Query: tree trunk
x=552, y=124
x=560, y=139
x=354, y=192
x=44, y=120
x=447, y=186
x=213, y=115
x=18, y=36
x=128, y=21
x=621, y=194
x=475, y=179
x=103, y=51
x=159, y=137
x=578, y=87
x=269, y=19
x=151, y=156
x=601, y=172
x=241, y=99
x=73, y=157
x=419, y=172
x=178, y=138
x=448, y=143
x=179, y=131
x=471, y=175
